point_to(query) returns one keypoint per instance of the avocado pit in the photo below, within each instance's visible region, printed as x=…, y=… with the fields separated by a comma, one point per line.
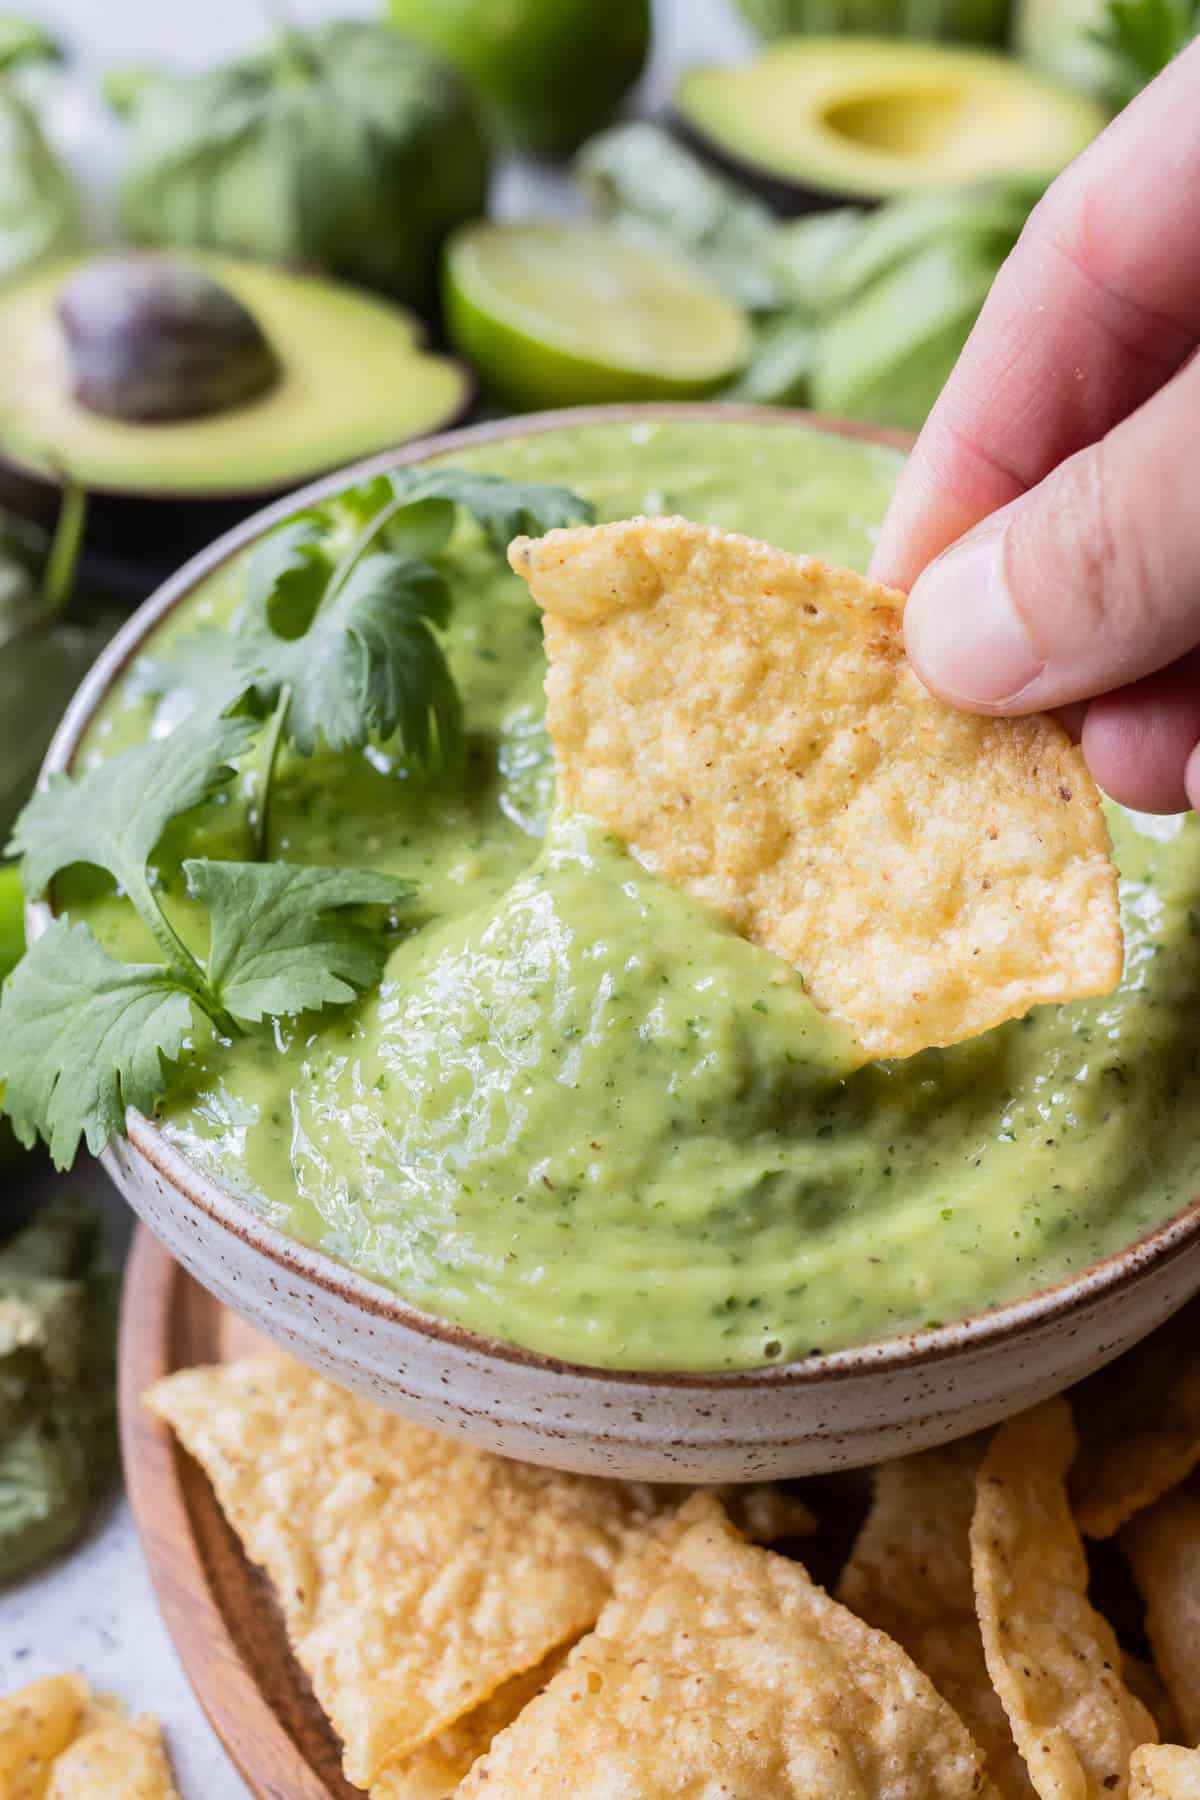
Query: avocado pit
x=152, y=340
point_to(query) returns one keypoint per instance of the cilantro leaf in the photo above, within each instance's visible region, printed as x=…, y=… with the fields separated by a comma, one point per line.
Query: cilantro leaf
x=505, y=509
x=82, y=1037
x=115, y=814
x=359, y=504
x=203, y=665
x=421, y=528
x=279, y=945
x=288, y=573
x=349, y=640
x=368, y=663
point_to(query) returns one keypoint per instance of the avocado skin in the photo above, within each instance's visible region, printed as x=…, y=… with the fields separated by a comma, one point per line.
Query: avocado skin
x=152, y=339
x=790, y=199
x=956, y=21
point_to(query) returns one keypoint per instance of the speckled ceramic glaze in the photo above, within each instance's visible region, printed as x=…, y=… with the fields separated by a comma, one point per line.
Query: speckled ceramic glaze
x=835, y=1411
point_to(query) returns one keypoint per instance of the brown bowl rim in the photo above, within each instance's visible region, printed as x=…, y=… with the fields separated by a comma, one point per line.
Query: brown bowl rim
x=903, y=1352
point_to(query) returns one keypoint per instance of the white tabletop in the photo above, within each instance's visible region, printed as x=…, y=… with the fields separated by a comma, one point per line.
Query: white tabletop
x=93, y=1610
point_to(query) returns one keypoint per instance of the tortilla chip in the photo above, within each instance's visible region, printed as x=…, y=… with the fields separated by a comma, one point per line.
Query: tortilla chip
x=719, y=1668
x=1053, y=1660
x=434, y=1771
x=114, y=1758
x=1162, y=1545
x=1139, y=1426
x=58, y=1741
x=909, y=1574
x=36, y=1725
x=416, y=1574
x=1165, y=1772
x=746, y=721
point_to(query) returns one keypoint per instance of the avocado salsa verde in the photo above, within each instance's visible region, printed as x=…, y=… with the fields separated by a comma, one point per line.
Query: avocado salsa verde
x=580, y=1114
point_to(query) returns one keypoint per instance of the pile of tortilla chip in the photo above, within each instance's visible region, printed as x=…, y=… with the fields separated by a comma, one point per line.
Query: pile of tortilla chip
x=59, y=1741
x=478, y=1628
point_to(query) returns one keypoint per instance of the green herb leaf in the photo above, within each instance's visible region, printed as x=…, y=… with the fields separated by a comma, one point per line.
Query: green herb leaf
x=115, y=814
x=280, y=944
x=289, y=571
x=369, y=663
x=422, y=529
x=82, y=1037
x=203, y=665
x=1142, y=37
x=505, y=509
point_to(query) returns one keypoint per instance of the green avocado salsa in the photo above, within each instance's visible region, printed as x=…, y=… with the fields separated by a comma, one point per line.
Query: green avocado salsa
x=582, y=1115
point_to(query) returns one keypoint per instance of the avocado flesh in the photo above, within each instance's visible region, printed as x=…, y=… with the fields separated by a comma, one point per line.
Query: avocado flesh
x=353, y=379
x=865, y=119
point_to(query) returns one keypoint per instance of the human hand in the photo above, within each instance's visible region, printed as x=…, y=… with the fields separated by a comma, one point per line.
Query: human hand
x=1066, y=446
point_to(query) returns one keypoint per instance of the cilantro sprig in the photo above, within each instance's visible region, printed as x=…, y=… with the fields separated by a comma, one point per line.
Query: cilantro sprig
x=335, y=640
x=82, y=1035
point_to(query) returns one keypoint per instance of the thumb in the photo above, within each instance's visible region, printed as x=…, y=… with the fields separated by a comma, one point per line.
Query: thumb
x=1087, y=582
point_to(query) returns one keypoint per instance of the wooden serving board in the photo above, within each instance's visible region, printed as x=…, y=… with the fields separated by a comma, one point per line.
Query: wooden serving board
x=219, y=1611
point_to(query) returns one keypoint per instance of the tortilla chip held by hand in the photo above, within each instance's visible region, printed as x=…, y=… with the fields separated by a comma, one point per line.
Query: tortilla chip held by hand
x=746, y=721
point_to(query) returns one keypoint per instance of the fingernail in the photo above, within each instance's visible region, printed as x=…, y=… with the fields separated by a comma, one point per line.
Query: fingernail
x=964, y=636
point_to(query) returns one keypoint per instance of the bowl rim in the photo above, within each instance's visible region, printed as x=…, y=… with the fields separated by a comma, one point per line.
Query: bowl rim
x=903, y=1352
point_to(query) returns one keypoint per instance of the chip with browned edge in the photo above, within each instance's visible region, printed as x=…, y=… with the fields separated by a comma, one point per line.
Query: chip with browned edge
x=417, y=1575
x=1054, y=1661
x=1163, y=1548
x=909, y=1574
x=746, y=721
x=719, y=1668
x=1139, y=1426
x=1165, y=1772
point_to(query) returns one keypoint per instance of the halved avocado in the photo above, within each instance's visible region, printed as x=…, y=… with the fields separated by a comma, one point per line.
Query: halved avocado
x=351, y=377
x=816, y=120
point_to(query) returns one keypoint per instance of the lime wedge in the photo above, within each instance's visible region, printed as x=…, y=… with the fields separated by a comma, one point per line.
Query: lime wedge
x=561, y=314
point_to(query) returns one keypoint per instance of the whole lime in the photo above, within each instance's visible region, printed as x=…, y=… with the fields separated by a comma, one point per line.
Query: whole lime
x=550, y=72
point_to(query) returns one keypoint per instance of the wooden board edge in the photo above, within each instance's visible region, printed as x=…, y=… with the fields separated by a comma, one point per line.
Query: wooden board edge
x=263, y=1752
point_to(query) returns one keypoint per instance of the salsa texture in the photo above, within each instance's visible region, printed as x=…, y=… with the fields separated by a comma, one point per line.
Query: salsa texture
x=583, y=1116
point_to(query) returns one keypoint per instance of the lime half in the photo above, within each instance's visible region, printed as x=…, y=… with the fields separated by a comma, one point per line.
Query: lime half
x=560, y=314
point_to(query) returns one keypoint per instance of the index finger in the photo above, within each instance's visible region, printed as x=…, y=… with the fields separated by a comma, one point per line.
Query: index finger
x=1096, y=307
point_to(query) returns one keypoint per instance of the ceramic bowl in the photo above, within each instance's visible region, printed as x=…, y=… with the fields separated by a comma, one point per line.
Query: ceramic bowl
x=834, y=1411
